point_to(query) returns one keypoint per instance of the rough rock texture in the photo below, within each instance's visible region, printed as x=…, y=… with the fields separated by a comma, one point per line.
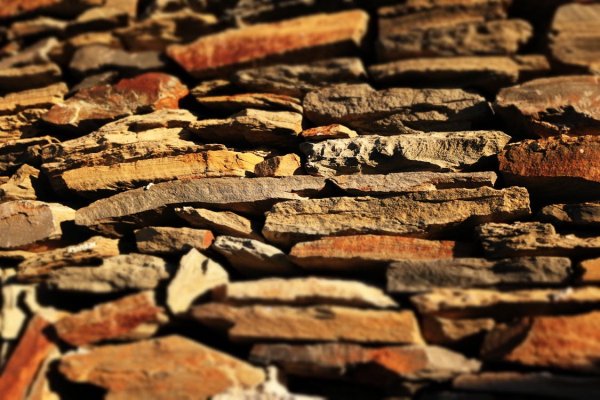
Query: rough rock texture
x=421, y=214
x=21, y=185
x=14, y=153
x=287, y=165
x=44, y=97
x=29, y=77
x=333, y=131
x=312, y=36
x=436, y=151
x=576, y=215
x=220, y=222
x=446, y=331
x=167, y=240
x=396, y=110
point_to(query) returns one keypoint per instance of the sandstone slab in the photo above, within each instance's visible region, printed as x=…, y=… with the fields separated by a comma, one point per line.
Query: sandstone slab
x=278, y=166
x=333, y=131
x=95, y=58
x=14, y=153
x=582, y=215
x=44, y=97
x=21, y=185
x=168, y=240
x=447, y=331
x=220, y=222
x=260, y=101
x=17, y=79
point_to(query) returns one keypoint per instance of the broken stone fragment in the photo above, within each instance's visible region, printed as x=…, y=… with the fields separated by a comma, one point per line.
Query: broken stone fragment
x=333, y=131
x=160, y=369
x=220, y=222
x=24, y=222
x=364, y=252
x=254, y=258
x=445, y=331
x=168, y=240
x=14, y=153
x=583, y=215
x=374, y=366
x=44, y=97
x=278, y=166
x=422, y=214
x=395, y=110
x=316, y=36
x=273, y=128
x=95, y=58
x=132, y=317
x=196, y=275
x=435, y=151
x=409, y=276
x=121, y=273
x=260, y=101
x=564, y=342
x=533, y=239
x=21, y=185
x=551, y=106
x=591, y=270
x=28, y=77
x=317, y=323
x=298, y=79
x=100, y=104
x=304, y=291
x=481, y=303
x=557, y=167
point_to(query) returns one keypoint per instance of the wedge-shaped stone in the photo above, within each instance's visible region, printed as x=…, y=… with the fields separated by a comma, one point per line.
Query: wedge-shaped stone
x=365, y=252
x=220, y=222
x=28, y=77
x=168, y=240
x=584, y=215
x=333, y=131
x=558, y=167
x=196, y=275
x=24, y=222
x=445, y=331
x=321, y=323
x=166, y=368
x=287, y=165
x=21, y=185
x=251, y=126
x=408, y=276
x=253, y=257
x=95, y=58
x=563, y=342
x=260, y=101
x=375, y=366
x=298, y=79
x=316, y=36
x=45, y=97
x=550, y=106
x=38, y=266
x=305, y=291
x=92, y=107
x=252, y=195
x=395, y=110
x=120, y=273
x=436, y=151
x=131, y=317
x=423, y=214
x=533, y=239
x=470, y=303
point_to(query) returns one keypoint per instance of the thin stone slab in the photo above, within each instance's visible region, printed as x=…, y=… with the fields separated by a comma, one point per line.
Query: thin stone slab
x=16, y=79
x=261, y=101
x=582, y=215
x=169, y=240
x=220, y=222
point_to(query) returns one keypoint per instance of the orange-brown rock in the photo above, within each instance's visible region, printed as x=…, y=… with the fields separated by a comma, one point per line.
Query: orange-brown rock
x=315, y=36
x=333, y=131
x=14, y=153
x=591, y=270
x=278, y=166
x=220, y=222
x=444, y=331
x=316, y=323
x=261, y=101
x=341, y=253
x=563, y=342
x=45, y=97
x=168, y=368
x=19, y=8
x=132, y=317
x=21, y=185
x=168, y=240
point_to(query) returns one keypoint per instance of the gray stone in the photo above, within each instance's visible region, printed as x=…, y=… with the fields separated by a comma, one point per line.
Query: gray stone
x=584, y=215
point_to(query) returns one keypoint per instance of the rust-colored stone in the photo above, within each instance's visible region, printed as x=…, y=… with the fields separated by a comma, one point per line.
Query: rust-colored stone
x=591, y=270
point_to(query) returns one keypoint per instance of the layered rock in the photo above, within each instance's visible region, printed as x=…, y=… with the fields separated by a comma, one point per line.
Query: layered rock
x=221, y=222
x=333, y=131
x=238, y=102
x=447, y=331
x=168, y=240
x=44, y=97
x=584, y=215
x=95, y=58
x=29, y=77
x=14, y=153
x=287, y=165
x=21, y=185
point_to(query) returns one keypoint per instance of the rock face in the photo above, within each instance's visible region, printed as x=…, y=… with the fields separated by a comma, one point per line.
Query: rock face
x=167, y=240
x=434, y=151
x=313, y=36
x=551, y=106
x=396, y=110
x=408, y=215
x=173, y=367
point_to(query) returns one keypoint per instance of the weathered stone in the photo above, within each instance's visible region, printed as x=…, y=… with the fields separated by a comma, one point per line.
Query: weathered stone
x=254, y=258
x=196, y=275
x=89, y=252
x=395, y=110
x=304, y=291
x=378, y=366
x=213, y=88
x=564, y=342
x=558, y=167
x=24, y=222
x=578, y=215
x=365, y=252
x=131, y=317
x=322, y=323
x=333, y=131
x=542, y=384
x=444, y=331
x=221, y=222
x=37, y=53
x=21, y=185
x=167, y=240
x=36, y=27
x=550, y=106
x=95, y=58
x=297, y=79
x=575, y=36
x=251, y=126
x=104, y=103
x=315, y=36
x=478, y=303
x=14, y=153
x=98, y=19
x=120, y=273
x=44, y=97
x=488, y=73
x=287, y=165
x=409, y=276
x=261, y=101
x=423, y=214
x=252, y=11
x=20, y=125
x=436, y=151
x=160, y=369
x=591, y=270
x=21, y=8
x=28, y=77
x=532, y=66
x=533, y=239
